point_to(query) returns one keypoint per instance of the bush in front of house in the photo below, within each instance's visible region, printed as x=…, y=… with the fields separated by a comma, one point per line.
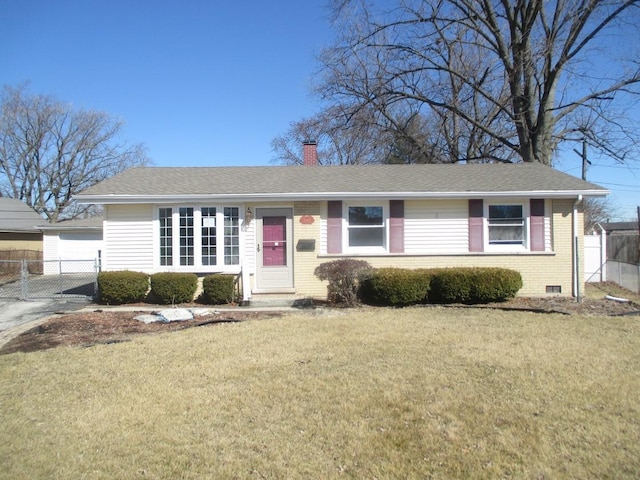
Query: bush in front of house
x=396, y=287
x=496, y=284
x=118, y=287
x=474, y=285
x=345, y=276
x=452, y=285
x=218, y=289
x=173, y=287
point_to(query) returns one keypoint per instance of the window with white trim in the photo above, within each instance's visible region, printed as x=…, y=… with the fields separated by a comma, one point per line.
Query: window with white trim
x=366, y=227
x=208, y=232
x=231, y=236
x=506, y=225
x=187, y=240
x=189, y=236
x=165, y=217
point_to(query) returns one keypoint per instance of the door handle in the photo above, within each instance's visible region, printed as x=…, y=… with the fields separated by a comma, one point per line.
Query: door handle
x=258, y=247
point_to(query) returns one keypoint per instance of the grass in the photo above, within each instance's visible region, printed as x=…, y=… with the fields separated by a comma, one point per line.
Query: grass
x=598, y=290
x=374, y=393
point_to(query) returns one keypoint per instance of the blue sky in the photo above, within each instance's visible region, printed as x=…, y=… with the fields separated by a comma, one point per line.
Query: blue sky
x=200, y=83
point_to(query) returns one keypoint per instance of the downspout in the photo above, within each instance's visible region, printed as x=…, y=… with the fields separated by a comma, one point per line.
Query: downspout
x=576, y=252
x=603, y=253
x=245, y=277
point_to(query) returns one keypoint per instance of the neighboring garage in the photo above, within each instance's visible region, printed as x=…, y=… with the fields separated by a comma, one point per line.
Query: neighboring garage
x=19, y=233
x=72, y=246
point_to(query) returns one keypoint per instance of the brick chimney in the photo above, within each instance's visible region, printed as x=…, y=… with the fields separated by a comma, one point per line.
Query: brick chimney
x=310, y=152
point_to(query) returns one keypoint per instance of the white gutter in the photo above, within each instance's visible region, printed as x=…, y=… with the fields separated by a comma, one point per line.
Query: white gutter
x=320, y=196
x=576, y=252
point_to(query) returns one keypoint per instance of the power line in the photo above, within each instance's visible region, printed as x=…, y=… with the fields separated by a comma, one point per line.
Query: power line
x=635, y=187
x=597, y=165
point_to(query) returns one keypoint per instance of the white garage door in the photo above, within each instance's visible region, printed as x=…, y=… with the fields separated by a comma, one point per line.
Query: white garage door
x=79, y=247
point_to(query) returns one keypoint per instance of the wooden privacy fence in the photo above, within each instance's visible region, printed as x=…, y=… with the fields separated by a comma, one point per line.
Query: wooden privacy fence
x=623, y=247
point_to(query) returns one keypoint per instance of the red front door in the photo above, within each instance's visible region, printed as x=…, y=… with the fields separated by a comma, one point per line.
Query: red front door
x=274, y=251
x=274, y=241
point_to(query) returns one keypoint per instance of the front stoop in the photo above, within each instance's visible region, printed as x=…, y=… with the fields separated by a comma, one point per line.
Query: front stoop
x=260, y=300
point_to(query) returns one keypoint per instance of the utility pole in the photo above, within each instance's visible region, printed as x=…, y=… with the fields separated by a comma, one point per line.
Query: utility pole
x=583, y=155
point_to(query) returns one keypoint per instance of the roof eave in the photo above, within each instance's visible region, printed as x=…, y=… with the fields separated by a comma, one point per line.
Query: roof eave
x=19, y=230
x=58, y=228
x=309, y=196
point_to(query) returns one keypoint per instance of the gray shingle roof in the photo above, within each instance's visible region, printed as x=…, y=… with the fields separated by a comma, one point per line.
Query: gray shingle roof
x=297, y=181
x=17, y=216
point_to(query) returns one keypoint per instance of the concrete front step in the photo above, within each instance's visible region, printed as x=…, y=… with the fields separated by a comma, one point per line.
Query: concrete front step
x=279, y=300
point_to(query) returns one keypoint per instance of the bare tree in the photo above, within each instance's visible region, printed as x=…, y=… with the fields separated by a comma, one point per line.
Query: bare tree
x=344, y=138
x=49, y=152
x=500, y=80
x=596, y=210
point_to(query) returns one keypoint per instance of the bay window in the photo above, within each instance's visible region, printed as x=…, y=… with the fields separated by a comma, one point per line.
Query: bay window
x=190, y=236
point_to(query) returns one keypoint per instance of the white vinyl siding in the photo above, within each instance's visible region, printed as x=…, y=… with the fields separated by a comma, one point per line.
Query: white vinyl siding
x=436, y=227
x=50, y=242
x=248, y=245
x=128, y=238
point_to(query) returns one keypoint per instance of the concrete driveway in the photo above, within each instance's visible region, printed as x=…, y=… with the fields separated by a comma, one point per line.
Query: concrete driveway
x=43, y=287
x=17, y=316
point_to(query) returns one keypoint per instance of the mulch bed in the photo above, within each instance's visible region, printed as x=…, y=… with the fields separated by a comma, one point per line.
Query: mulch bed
x=569, y=306
x=108, y=326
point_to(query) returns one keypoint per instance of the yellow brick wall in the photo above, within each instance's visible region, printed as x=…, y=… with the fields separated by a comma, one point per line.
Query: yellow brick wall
x=305, y=263
x=538, y=270
x=21, y=241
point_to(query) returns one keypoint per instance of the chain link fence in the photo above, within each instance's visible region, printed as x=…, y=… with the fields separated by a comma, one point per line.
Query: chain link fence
x=33, y=279
x=626, y=275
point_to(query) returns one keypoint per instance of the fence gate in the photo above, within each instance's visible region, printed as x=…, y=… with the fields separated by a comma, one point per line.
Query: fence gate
x=32, y=279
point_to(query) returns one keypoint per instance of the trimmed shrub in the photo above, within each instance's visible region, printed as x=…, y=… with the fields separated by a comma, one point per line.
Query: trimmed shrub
x=173, y=287
x=116, y=288
x=345, y=277
x=451, y=286
x=496, y=284
x=474, y=285
x=396, y=287
x=218, y=289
